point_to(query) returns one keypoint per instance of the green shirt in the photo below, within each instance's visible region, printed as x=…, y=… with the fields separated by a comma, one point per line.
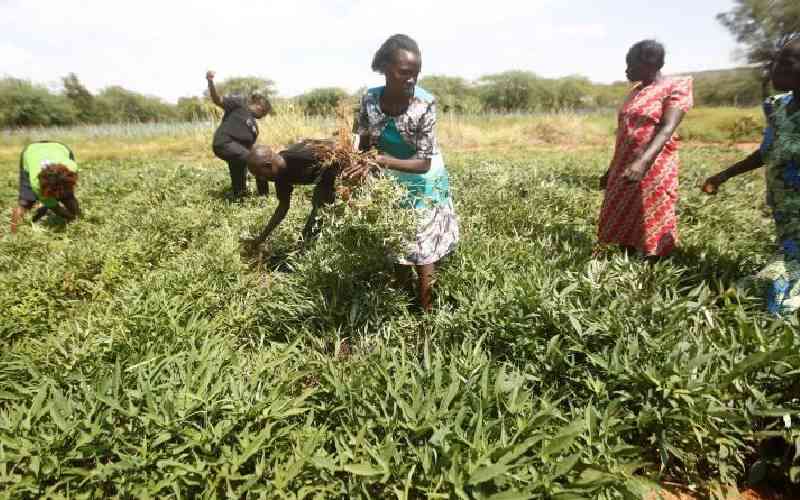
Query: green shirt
x=40, y=154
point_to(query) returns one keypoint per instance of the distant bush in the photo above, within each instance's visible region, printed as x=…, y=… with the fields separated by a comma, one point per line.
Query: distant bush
x=453, y=94
x=24, y=104
x=741, y=87
x=321, y=101
x=117, y=104
x=246, y=85
x=192, y=109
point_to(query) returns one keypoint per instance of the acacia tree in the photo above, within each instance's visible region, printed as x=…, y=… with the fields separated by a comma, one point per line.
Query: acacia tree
x=245, y=85
x=452, y=93
x=322, y=101
x=762, y=26
x=81, y=98
x=508, y=91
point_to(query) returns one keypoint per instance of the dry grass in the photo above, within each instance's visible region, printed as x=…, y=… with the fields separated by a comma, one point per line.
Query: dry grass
x=456, y=133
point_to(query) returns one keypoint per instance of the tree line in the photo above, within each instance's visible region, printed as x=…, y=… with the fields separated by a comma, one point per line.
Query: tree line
x=761, y=26
x=24, y=103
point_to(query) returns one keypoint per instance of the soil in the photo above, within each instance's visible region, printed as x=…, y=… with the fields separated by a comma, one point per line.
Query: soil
x=760, y=493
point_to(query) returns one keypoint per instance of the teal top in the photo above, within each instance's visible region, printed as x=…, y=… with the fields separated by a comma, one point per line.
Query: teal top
x=424, y=190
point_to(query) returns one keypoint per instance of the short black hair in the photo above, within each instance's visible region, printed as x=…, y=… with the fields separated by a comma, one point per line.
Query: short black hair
x=385, y=55
x=650, y=52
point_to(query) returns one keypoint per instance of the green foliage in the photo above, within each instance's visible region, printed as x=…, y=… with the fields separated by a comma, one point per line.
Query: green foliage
x=509, y=91
x=245, y=85
x=81, y=99
x=741, y=87
x=322, y=101
x=192, y=109
x=762, y=25
x=23, y=104
x=453, y=94
x=116, y=105
x=144, y=351
x=523, y=91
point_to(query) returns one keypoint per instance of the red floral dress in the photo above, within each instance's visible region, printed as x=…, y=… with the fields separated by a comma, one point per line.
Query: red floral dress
x=642, y=215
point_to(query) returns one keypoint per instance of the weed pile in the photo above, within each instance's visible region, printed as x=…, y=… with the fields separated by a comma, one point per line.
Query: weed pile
x=342, y=151
x=144, y=352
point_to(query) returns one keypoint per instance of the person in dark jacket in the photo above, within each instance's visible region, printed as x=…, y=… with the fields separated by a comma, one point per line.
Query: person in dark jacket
x=237, y=134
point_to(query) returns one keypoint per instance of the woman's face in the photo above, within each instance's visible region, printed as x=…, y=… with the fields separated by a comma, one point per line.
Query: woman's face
x=786, y=68
x=402, y=73
x=638, y=71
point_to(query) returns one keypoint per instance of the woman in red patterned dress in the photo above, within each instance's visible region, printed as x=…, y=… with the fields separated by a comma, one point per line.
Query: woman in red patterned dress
x=641, y=183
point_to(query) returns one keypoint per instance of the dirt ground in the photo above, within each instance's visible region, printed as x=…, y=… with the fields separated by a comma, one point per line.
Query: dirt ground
x=763, y=493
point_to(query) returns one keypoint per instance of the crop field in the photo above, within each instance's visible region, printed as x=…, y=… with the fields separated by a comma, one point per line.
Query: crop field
x=148, y=350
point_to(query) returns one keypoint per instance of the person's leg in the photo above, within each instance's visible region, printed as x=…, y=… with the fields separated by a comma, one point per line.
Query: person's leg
x=238, y=172
x=18, y=214
x=403, y=276
x=27, y=199
x=324, y=194
x=263, y=186
x=425, y=275
x=235, y=155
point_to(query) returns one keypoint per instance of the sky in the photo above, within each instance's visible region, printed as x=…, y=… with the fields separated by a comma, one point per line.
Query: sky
x=164, y=48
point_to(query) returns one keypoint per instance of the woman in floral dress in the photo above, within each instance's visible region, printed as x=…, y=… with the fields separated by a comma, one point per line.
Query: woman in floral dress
x=641, y=183
x=399, y=120
x=780, y=153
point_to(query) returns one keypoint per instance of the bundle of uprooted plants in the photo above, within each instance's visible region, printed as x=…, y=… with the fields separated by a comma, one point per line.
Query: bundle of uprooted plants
x=341, y=152
x=351, y=260
x=364, y=227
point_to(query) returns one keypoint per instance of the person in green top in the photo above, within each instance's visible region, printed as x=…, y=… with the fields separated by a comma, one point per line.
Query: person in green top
x=47, y=174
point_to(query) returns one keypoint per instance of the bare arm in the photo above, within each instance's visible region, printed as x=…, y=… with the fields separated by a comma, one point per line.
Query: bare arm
x=212, y=89
x=672, y=118
x=752, y=162
x=412, y=166
x=284, y=192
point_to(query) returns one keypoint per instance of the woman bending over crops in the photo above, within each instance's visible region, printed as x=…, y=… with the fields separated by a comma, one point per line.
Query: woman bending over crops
x=399, y=119
x=297, y=164
x=237, y=133
x=641, y=183
x=780, y=152
x=47, y=174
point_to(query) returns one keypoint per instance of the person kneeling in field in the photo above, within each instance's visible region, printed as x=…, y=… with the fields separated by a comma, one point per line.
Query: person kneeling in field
x=47, y=174
x=297, y=164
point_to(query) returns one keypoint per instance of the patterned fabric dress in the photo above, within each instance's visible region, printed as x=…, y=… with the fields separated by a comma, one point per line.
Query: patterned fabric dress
x=412, y=135
x=642, y=215
x=780, y=279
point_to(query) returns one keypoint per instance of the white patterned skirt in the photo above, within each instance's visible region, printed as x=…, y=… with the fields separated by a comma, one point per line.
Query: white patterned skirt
x=437, y=235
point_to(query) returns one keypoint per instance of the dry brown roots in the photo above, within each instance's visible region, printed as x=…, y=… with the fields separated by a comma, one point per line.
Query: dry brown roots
x=341, y=152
